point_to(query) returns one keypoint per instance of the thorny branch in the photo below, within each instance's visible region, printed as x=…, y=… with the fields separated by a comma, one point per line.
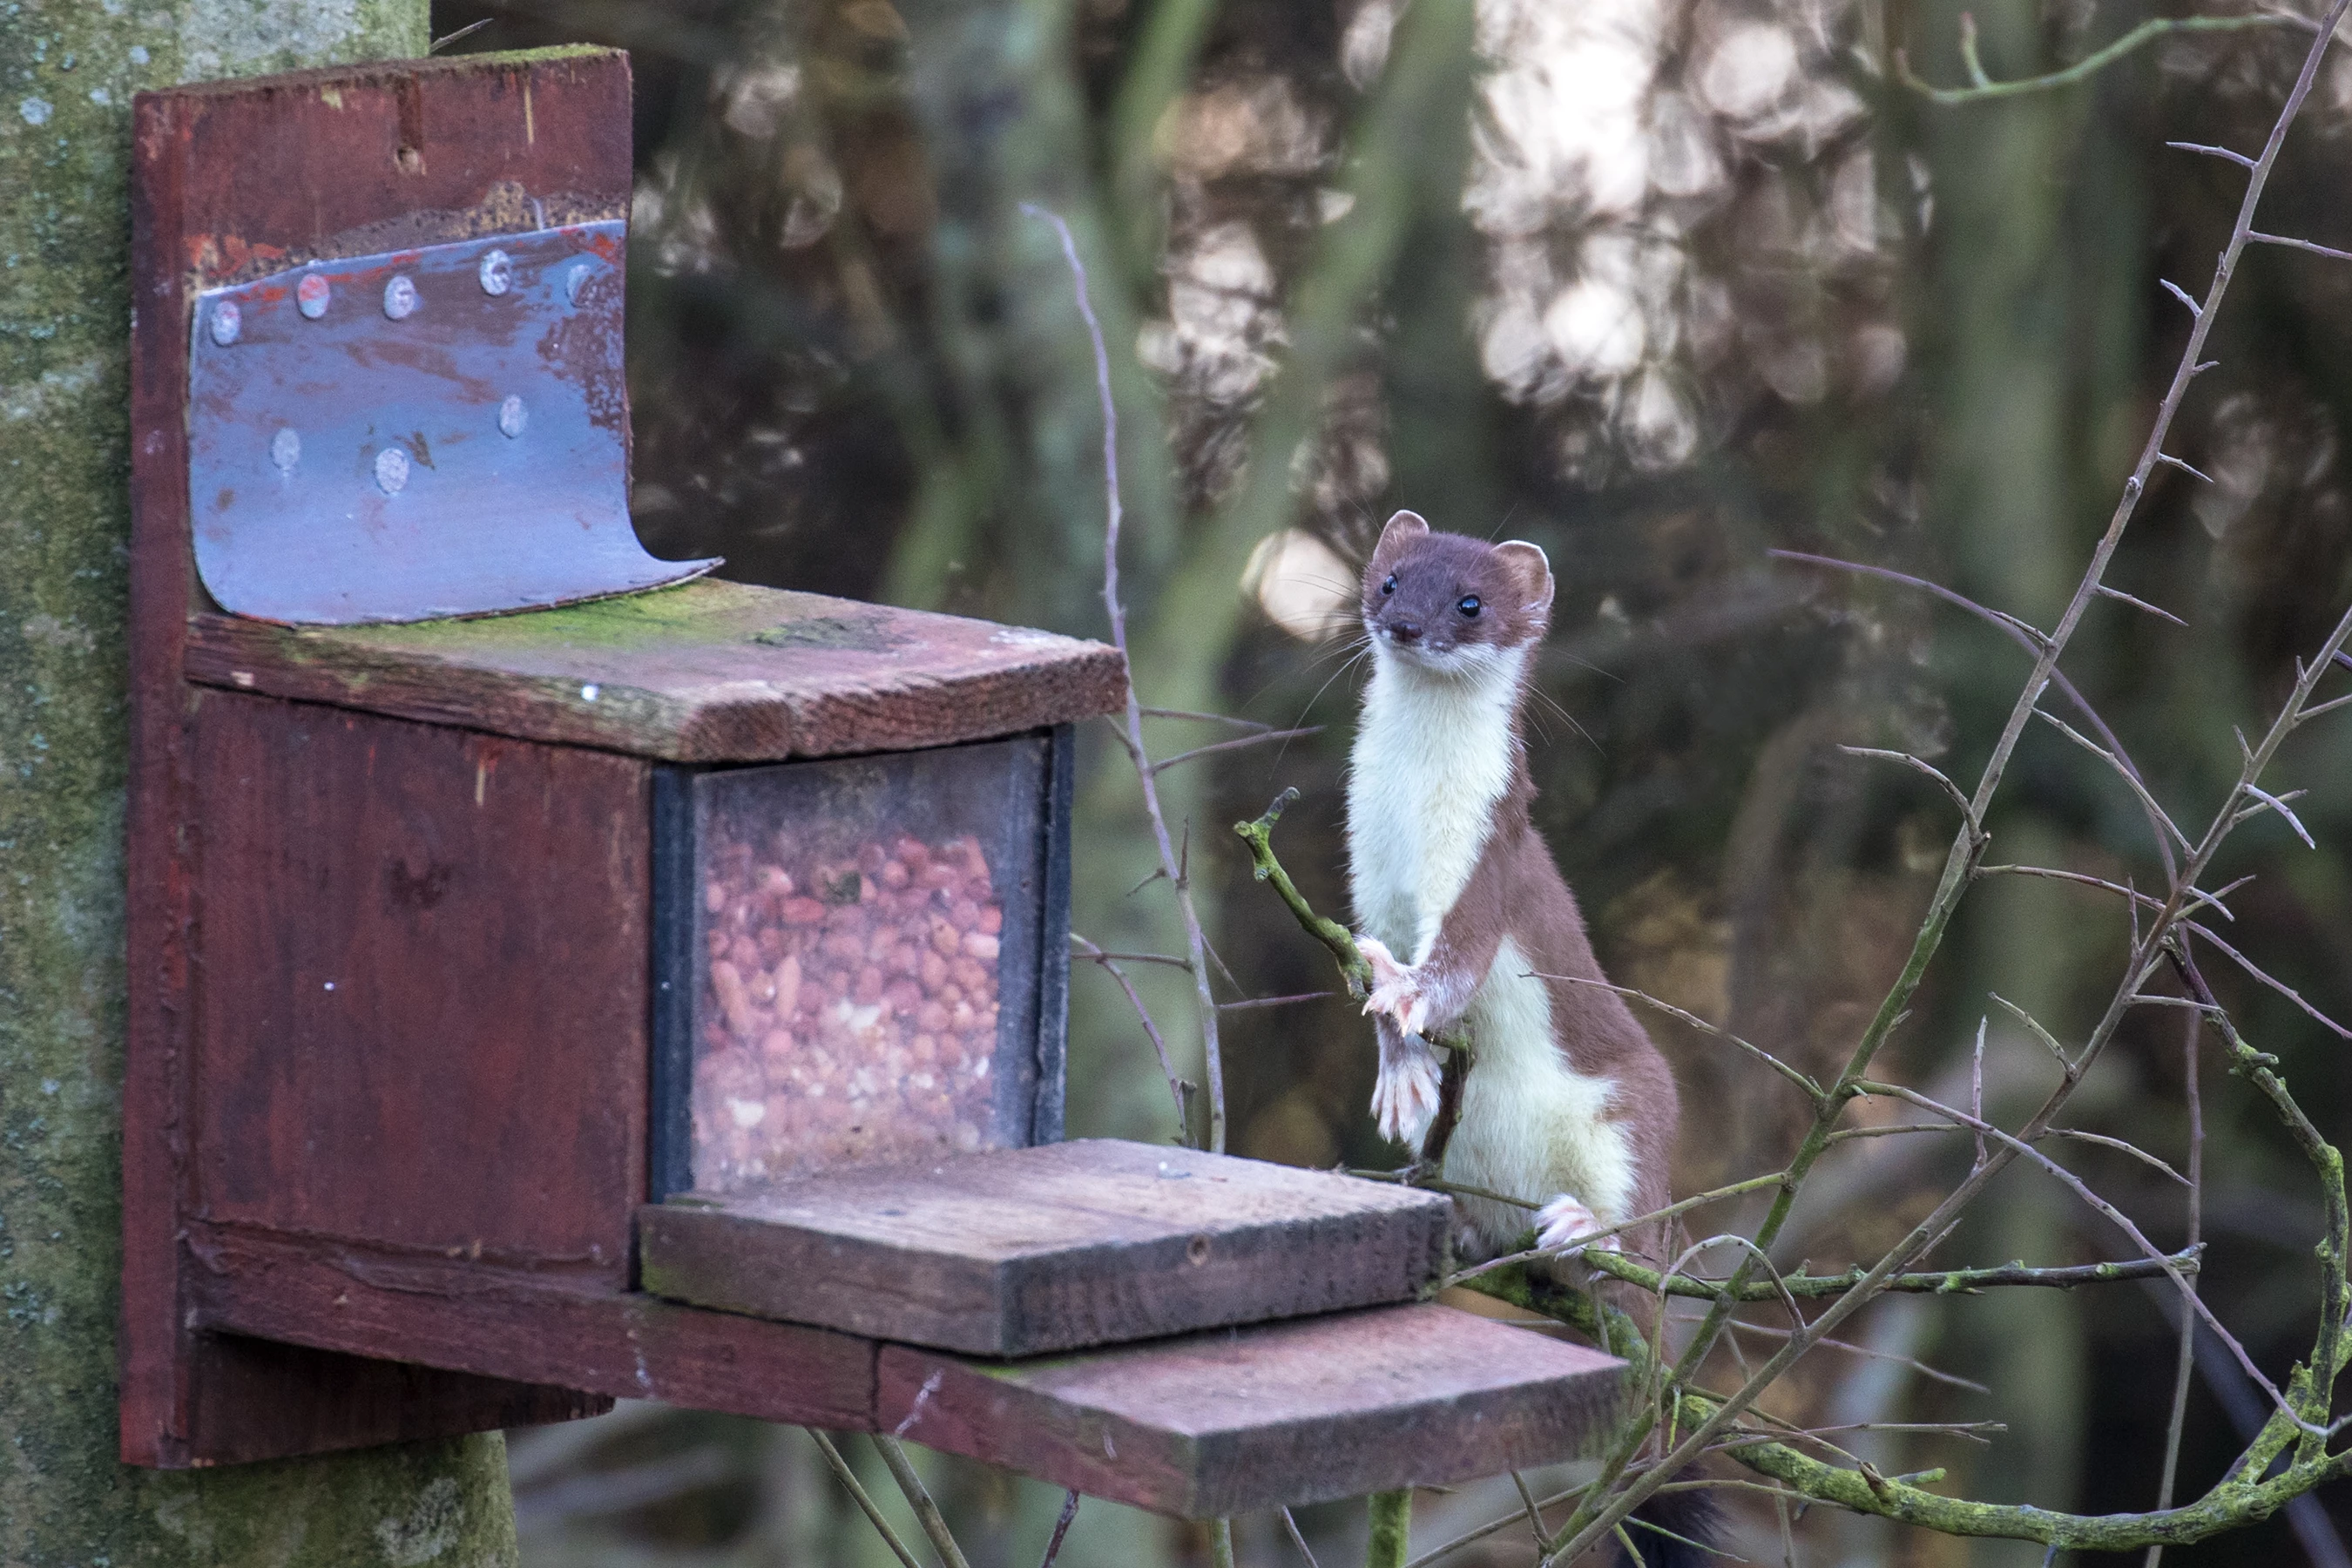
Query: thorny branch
x=1661, y=1437
x=2245, y=1495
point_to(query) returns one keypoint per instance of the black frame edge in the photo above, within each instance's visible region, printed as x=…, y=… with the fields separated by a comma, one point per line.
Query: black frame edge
x=669, y=1121
x=1045, y=1124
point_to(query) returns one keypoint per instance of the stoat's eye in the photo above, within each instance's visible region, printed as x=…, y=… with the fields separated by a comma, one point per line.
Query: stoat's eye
x=1469, y=606
x=1388, y=586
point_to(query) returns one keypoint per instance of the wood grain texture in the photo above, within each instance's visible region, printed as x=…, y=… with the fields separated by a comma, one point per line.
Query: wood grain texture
x=506, y=1323
x=1016, y=1252
x=231, y=180
x=707, y=672
x=422, y=1018
x=1226, y=1422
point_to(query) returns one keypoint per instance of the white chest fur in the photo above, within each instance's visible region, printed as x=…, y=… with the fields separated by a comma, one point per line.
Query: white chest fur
x=1432, y=756
x=1532, y=1126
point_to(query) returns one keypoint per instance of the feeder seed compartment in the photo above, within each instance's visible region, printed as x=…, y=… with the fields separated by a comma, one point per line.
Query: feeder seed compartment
x=859, y=962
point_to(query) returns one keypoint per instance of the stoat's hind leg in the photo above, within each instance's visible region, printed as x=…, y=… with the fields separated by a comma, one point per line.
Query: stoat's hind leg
x=1564, y=1219
x=1404, y=1098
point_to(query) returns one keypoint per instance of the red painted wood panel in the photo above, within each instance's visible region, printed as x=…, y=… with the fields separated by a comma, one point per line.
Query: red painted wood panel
x=422, y=1015
x=511, y=1323
x=230, y=179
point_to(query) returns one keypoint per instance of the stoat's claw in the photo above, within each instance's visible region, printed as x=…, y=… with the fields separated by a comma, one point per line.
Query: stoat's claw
x=1395, y=987
x=1404, y=1099
x=1560, y=1222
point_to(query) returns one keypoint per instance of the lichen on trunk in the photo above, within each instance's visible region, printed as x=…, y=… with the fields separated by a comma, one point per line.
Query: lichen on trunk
x=69, y=70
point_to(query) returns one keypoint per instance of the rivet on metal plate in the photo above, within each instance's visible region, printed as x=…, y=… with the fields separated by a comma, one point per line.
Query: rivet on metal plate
x=311, y=296
x=392, y=470
x=226, y=322
x=286, y=448
x=527, y=504
x=495, y=272
x=400, y=297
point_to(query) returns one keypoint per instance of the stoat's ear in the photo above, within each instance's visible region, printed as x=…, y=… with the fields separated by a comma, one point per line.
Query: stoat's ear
x=1404, y=529
x=1534, y=570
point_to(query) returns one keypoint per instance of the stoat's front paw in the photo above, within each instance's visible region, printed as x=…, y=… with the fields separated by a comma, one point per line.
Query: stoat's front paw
x=1404, y=1096
x=1396, y=990
x=1559, y=1222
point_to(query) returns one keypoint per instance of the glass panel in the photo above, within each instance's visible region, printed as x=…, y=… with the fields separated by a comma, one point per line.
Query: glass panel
x=866, y=951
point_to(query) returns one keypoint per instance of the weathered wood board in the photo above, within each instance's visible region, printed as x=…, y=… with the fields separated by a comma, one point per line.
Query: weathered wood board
x=1282, y=1413
x=1017, y=1252
x=233, y=180
x=423, y=1010
x=707, y=672
x=510, y=1322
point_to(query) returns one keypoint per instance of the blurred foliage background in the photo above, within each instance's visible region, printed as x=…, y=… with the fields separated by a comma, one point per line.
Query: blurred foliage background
x=1661, y=285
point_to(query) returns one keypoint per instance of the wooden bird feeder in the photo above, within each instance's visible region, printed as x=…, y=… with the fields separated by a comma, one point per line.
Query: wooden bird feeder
x=554, y=978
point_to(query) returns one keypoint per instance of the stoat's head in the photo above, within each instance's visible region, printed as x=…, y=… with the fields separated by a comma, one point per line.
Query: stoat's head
x=1449, y=604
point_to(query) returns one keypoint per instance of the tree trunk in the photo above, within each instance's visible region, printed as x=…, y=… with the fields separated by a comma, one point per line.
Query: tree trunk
x=69, y=69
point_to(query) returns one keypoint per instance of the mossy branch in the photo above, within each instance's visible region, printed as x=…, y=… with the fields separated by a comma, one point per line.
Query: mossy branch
x=2242, y=1499
x=1340, y=941
x=1354, y=970
x=1944, y=1282
x=1357, y=973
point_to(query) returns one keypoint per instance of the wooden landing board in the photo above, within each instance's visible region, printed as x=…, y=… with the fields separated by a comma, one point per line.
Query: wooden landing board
x=706, y=672
x=1017, y=1252
x=1282, y=1413
x=1209, y=1424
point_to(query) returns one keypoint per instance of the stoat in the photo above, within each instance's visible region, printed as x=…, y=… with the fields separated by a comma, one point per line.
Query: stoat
x=1459, y=906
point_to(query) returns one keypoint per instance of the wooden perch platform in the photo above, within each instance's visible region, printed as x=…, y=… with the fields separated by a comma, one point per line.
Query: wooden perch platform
x=1196, y=1426
x=1282, y=1413
x=1017, y=1252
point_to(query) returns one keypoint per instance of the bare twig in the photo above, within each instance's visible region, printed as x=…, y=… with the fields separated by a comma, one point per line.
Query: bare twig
x=2327, y=250
x=1195, y=942
x=1801, y=1080
x=1060, y=1528
x=1597, y=1517
x=468, y=31
x=1298, y=1539
x=2121, y=597
x=1109, y=964
x=2185, y=1358
x=1255, y=1002
x=1164, y=763
x=865, y=1501
x=927, y=1513
x=1981, y=87
x=2239, y=159
x=2263, y=977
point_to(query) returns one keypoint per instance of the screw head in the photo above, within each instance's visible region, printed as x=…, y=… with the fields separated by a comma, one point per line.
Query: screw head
x=227, y=322
x=400, y=297
x=512, y=417
x=392, y=470
x=286, y=449
x=574, y=281
x=495, y=272
x=311, y=296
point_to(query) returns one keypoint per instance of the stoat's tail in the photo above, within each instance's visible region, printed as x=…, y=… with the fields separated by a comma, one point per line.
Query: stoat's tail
x=1678, y=1529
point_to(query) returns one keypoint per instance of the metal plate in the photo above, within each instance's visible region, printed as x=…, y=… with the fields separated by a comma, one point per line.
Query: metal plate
x=417, y=435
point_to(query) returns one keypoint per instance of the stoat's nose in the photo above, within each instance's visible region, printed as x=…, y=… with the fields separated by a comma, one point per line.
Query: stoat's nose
x=1405, y=631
